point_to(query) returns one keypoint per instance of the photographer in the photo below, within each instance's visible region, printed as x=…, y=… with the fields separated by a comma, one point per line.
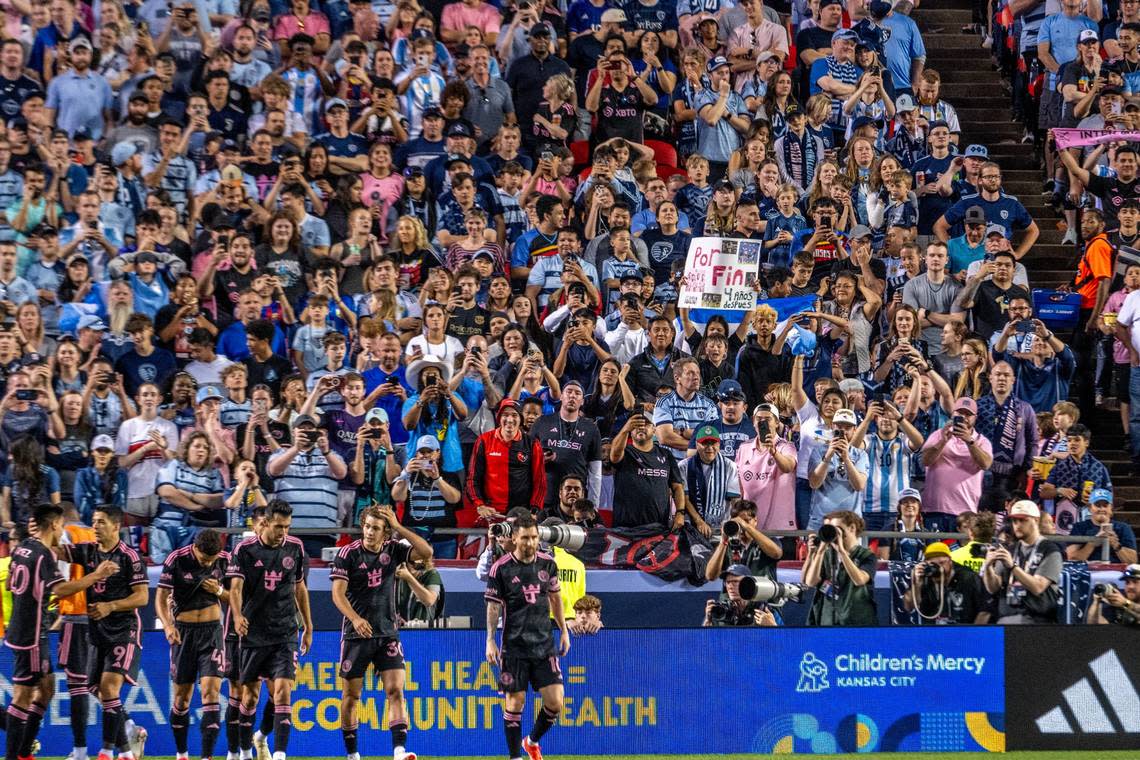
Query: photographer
x=742, y=543
x=734, y=611
x=842, y=573
x=1027, y=576
x=1109, y=605
x=498, y=545
x=430, y=496
x=1121, y=539
x=945, y=593
x=980, y=529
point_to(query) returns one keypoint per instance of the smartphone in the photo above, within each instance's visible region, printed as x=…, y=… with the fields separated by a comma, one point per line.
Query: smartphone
x=93, y=225
x=422, y=60
x=311, y=436
x=260, y=406
x=879, y=398
x=392, y=380
x=27, y=394
x=825, y=221
x=958, y=420
x=457, y=291
x=224, y=240
x=765, y=429
x=547, y=156
x=612, y=66
x=1026, y=326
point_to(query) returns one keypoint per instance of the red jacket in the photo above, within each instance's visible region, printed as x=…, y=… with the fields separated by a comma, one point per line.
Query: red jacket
x=506, y=474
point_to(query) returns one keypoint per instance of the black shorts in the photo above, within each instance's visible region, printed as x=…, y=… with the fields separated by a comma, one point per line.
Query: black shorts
x=29, y=666
x=1121, y=378
x=539, y=672
x=357, y=654
x=74, y=651
x=232, y=671
x=113, y=657
x=270, y=663
x=201, y=654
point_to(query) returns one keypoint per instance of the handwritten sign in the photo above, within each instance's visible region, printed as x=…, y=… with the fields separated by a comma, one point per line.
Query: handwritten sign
x=1079, y=138
x=720, y=273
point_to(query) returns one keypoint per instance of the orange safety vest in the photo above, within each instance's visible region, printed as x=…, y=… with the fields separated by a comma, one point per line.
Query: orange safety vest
x=76, y=604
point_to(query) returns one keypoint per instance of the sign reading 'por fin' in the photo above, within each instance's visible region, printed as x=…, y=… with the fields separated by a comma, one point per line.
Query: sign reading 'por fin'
x=721, y=273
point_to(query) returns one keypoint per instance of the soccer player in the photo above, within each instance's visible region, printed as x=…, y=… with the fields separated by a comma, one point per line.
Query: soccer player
x=73, y=637
x=188, y=602
x=523, y=588
x=33, y=576
x=364, y=590
x=267, y=592
x=116, y=631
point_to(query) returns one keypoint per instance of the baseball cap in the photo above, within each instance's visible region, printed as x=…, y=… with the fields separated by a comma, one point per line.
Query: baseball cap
x=376, y=413
x=936, y=549
x=455, y=158
x=966, y=404
x=427, y=442
x=793, y=110
x=824, y=3
x=716, y=62
x=767, y=55
x=930, y=127
x=138, y=97
x=705, y=17
x=910, y=493
x=1100, y=494
x=541, y=29
x=1024, y=508
x=335, y=103
x=738, y=570
x=724, y=184
x=1086, y=35
x=229, y=145
x=299, y=420
x=879, y=8
x=857, y=232
x=459, y=129
x=730, y=390
x=414, y=171
x=433, y=112
x=904, y=103
x=80, y=42
x=144, y=257
x=207, y=392
x=995, y=229
x=707, y=433
x=44, y=229
x=483, y=253
x=769, y=408
x=614, y=16
x=102, y=442
x=976, y=151
x=844, y=417
x=864, y=121
x=850, y=385
x=422, y=34
x=123, y=152
x=845, y=34
x=974, y=215
x=1131, y=573
x=91, y=322
x=81, y=134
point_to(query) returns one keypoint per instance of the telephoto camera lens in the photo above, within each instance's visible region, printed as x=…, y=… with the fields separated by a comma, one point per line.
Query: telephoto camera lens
x=767, y=590
x=501, y=530
x=730, y=529
x=828, y=533
x=1100, y=589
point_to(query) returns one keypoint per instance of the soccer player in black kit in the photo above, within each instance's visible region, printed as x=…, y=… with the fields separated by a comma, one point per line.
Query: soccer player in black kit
x=364, y=590
x=188, y=602
x=116, y=628
x=33, y=577
x=522, y=588
x=267, y=591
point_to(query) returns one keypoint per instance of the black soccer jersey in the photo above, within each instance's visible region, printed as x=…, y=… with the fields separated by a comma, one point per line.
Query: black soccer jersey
x=184, y=575
x=121, y=627
x=32, y=574
x=269, y=575
x=371, y=579
x=521, y=587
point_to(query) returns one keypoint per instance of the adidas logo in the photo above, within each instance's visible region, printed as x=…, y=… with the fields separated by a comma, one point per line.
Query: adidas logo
x=1089, y=711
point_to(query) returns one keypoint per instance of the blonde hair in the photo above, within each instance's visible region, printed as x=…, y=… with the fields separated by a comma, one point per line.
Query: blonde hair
x=970, y=384
x=422, y=241
x=564, y=87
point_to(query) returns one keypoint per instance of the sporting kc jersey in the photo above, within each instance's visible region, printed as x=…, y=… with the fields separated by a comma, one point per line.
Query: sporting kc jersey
x=521, y=587
x=121, y=627
x=371, y=579
x=269, y=574
x=31, y=576
x=184, y=575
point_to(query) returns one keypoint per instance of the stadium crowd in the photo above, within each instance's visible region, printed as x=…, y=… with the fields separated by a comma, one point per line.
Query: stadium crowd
x=352, y=253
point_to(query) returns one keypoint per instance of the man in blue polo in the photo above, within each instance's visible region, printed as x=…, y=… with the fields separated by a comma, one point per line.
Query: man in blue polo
x=80, y=99
x=722, y=118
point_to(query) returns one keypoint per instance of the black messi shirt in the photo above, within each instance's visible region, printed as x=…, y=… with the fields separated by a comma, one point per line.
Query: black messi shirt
x=643, y=483
x=121, y=627
x=269, y=575
x=521, y=587
x=184, y=575
x=32, y=574
x=371, y=579
x=574, y=445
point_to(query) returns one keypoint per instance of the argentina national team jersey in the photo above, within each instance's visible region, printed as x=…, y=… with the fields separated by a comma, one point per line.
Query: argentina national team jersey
x=888, y=473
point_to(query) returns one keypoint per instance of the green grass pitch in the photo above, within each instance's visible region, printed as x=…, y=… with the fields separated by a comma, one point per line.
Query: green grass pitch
x=871, y=756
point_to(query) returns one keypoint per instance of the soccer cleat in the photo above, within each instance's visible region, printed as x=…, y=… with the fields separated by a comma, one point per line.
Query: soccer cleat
x=261, y=747
x=35, y=748
x=404, y=756
x=137, y=740
x=532, y=749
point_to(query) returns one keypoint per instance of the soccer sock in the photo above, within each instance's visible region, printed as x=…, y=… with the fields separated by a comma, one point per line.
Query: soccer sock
x=233, y=713
x=180, y=726
x=282, y=722
x=512, y=725
x=211, y=725
x=267, y=713
x=399, y=734
x=77, y=697
x=348, y=733
x=542, y=724
x=245, y=735
x=112, y=723
x=32, y=728
x=15, y=736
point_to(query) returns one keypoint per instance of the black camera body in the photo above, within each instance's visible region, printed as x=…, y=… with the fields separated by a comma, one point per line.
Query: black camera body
x=720, y=612
x=828, y=533
x=929, y=570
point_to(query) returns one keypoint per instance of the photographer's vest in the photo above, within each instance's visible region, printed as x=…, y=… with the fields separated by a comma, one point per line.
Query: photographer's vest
x=1017, y=599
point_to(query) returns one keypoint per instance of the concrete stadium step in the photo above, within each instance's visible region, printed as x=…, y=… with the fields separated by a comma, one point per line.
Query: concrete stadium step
x=951, y=20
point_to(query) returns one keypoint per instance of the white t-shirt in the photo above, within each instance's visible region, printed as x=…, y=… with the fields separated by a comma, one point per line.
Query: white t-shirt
x=813, y=434
x=133, y=435
x=208, y=374
x=1129, y=317
x=448, y=350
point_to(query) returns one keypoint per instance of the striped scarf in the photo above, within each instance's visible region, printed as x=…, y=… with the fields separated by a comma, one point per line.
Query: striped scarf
x=707, y=491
